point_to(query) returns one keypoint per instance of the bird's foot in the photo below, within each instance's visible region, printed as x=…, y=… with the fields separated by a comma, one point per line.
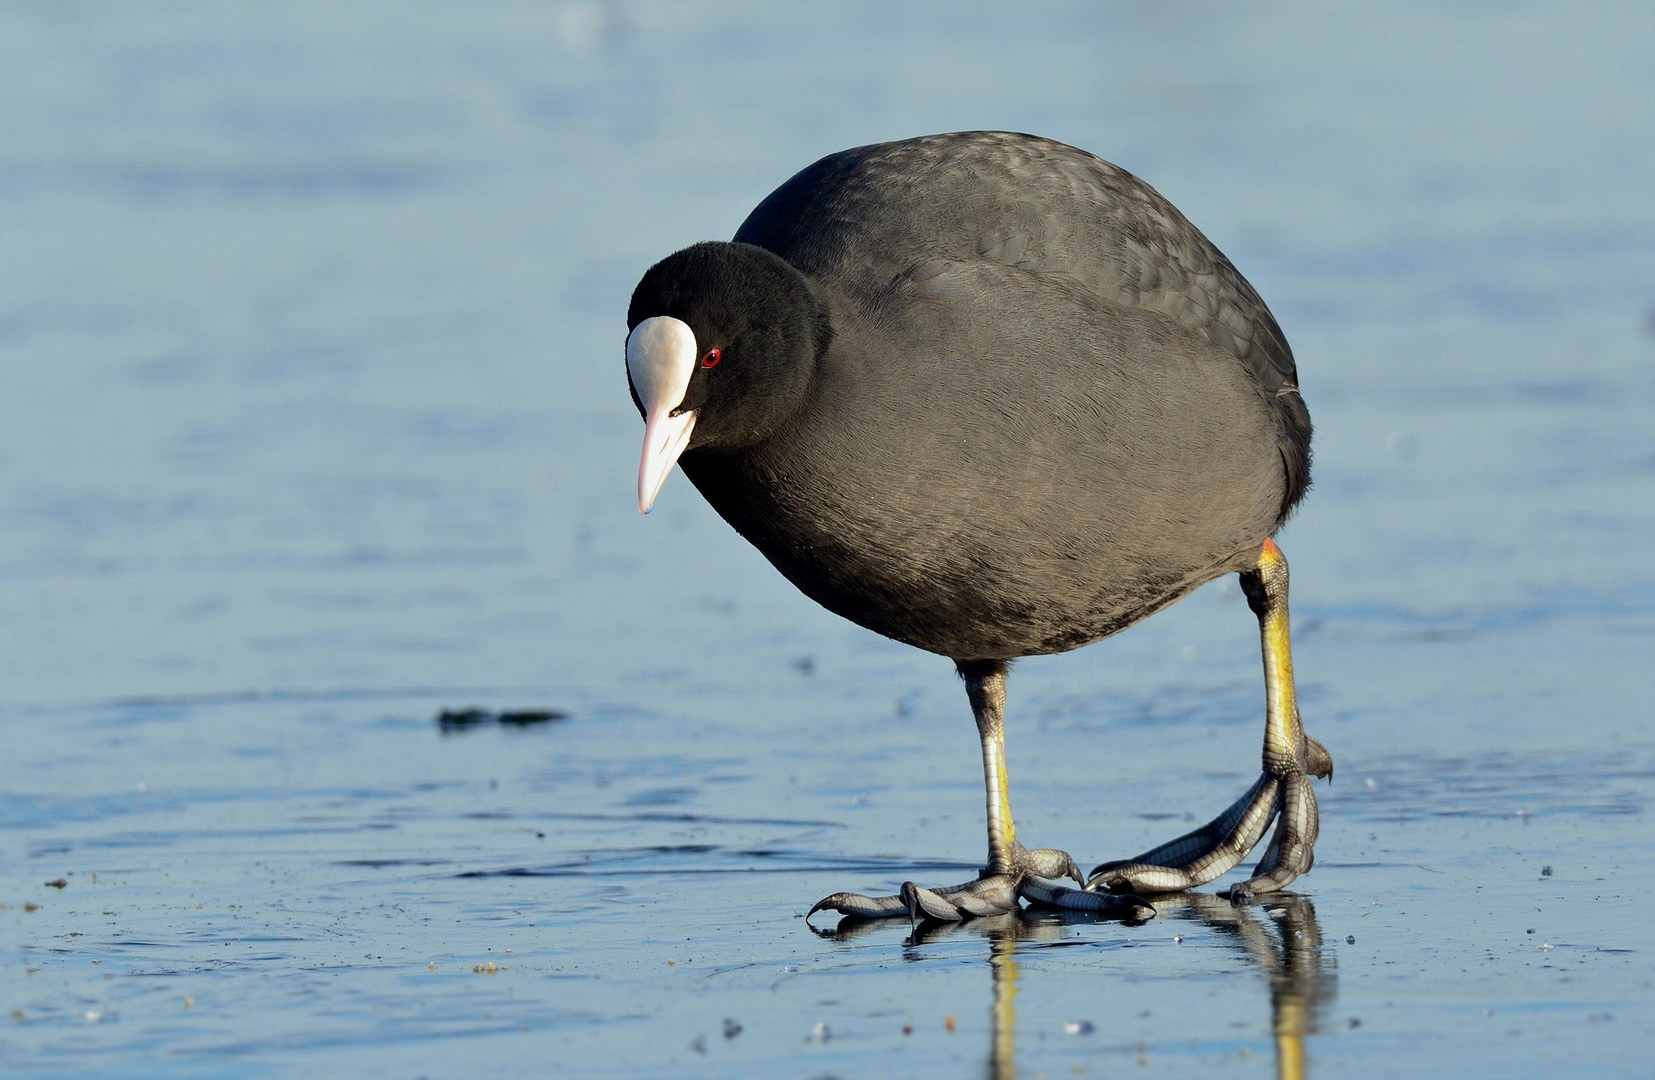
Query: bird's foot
x=1031, y=876
x=1217, y=847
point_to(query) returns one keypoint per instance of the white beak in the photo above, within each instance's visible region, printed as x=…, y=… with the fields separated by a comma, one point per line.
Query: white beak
x=660, y=357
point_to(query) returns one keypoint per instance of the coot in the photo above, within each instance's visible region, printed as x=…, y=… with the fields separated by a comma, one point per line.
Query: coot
x=991, y=396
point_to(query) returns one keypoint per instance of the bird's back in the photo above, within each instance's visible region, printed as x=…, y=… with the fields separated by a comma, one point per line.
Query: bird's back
x=862, y=217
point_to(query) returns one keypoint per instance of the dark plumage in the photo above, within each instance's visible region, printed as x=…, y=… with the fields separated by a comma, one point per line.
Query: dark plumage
x=983, y=393
x=1013, y=401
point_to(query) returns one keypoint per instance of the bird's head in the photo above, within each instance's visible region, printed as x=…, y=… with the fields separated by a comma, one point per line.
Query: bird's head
x=722, y=345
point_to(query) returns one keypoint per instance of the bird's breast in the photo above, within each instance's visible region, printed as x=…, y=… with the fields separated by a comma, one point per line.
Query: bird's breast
x=992, y=487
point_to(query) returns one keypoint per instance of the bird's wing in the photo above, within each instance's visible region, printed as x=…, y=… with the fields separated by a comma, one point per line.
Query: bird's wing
x=863, y=217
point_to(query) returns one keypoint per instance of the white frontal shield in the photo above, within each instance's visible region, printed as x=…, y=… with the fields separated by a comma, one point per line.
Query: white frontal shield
x=660, y=357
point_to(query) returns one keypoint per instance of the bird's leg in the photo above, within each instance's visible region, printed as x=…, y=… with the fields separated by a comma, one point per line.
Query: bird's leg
x=1012, y=869
x=1291, y=758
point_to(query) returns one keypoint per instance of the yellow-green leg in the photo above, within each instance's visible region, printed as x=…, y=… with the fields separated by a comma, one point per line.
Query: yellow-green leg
x=1013, y=871
x=1291, y=758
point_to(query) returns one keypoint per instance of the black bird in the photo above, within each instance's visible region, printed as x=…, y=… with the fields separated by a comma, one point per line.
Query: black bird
x=992, y=396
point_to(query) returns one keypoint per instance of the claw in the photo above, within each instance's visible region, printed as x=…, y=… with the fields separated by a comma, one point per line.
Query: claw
x=990, y=894
x=1198, y=856
x=922, y=903
x=1214, y=849
x=1292, y=848
x=1038, y=890
x=862, y=907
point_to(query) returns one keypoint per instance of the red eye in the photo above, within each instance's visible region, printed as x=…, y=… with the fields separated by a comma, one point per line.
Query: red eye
x=712, y=358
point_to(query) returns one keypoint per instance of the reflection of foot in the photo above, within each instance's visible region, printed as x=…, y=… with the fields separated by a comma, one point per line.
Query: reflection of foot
x=1302, y=979
x=1295, y=952
x=1018, y=924
x=1291, y=758
x=1027, y=874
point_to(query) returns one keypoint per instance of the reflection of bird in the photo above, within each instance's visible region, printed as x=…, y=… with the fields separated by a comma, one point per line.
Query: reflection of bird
x=991, y=396
x=1302, y=976
x=1004, y=932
